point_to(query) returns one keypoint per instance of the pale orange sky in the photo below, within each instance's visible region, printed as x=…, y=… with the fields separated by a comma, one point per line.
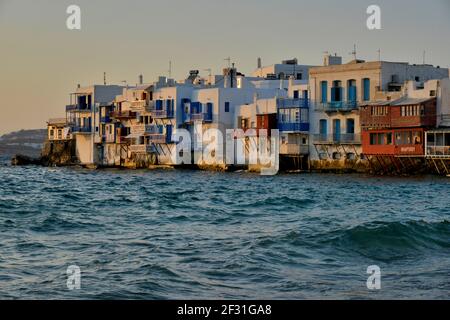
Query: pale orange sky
x=42, y=61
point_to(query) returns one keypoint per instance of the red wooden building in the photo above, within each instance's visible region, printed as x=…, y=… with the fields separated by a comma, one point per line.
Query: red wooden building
x=397, y=128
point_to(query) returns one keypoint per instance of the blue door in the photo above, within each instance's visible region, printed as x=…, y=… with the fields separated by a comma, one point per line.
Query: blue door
x=350, y=126
x=337, y=130
x=351, y=94
x=323, y=129
x=324, y=89
x=366, y=86
x=169, y=133
x=336, y=94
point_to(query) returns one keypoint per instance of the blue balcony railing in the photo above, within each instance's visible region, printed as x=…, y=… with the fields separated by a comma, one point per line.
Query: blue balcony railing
x=292, y=103
x=336, y=106
x=106, y=119
x=204, y=117
x=293, y=127
x=78, y=129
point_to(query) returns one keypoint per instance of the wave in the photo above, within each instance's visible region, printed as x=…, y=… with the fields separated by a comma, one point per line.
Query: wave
x=54, y=223
x=387, y=240
x=280, y=202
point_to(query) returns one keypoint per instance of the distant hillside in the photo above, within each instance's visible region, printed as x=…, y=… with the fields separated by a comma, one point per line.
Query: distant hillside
x=26, y=142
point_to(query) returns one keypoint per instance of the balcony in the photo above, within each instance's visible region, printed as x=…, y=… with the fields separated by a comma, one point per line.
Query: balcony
x=162, y=114
x=106, y=119
x=143, y=129
x=337, y=106
x=200, y=117
x=292, y=103
x=294, y=149
x=78, y=129
x=332, y=139
x=293, y=127
x=141, y=148
x=141, y=106
x=122, y=114
x=160, y=138
x=438, y=151
x=78, y=108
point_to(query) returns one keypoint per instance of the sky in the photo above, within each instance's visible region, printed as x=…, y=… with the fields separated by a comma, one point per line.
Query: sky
x=41, y=61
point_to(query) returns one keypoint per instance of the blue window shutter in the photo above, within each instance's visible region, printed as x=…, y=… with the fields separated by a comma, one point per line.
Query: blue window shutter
x=324, y=88
x=323, y=127
x=337, y=129
x=351, y=94
x=350, y=126
x=366, y=85
x=168, y=133
x=333, y=94
x=209, y=108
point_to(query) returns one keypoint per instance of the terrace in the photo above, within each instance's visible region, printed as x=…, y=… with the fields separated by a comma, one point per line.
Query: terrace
x=332, y=139
x=293, y=115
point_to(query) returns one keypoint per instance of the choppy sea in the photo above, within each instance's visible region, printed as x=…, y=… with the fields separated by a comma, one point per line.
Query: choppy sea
x=167, y=234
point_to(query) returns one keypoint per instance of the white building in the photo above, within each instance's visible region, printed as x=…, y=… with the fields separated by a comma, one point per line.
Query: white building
x=337, y=90
x=83, y=115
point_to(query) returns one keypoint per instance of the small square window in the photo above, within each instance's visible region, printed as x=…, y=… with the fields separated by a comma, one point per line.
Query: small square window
x=227, y=107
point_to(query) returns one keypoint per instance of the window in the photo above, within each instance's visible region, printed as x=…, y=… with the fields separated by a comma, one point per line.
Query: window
x=296, y=94
x=323, y=127
x=324, y=91
x=350, y=126
x=432, y=93
x=351, y=90
x=227, y=107
x=336, y=155
x=366, y=89
x=389, y=138
x=373, y=139
x=336, y=91
x=299, y=76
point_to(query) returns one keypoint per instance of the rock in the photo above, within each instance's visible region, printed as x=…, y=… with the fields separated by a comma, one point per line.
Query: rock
x=22, y=160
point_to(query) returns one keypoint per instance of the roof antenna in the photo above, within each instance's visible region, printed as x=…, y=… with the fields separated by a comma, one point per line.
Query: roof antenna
x=229, y=62
x=354, y=51
x=170, y=69
x=104, y=78
x=209, y=75
x=424, y=54
x=379, y=54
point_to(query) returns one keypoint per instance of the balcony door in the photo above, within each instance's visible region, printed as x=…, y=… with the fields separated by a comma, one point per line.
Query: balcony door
x=323, y=129
x=337, y=129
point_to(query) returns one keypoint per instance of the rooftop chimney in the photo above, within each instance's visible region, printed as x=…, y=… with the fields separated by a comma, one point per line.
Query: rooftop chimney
x=141, y=79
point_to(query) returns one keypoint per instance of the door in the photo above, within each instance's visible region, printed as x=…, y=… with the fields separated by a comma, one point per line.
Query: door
x=337, y=130
x=324, y=89
x=169, y=133
x=323, y=129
